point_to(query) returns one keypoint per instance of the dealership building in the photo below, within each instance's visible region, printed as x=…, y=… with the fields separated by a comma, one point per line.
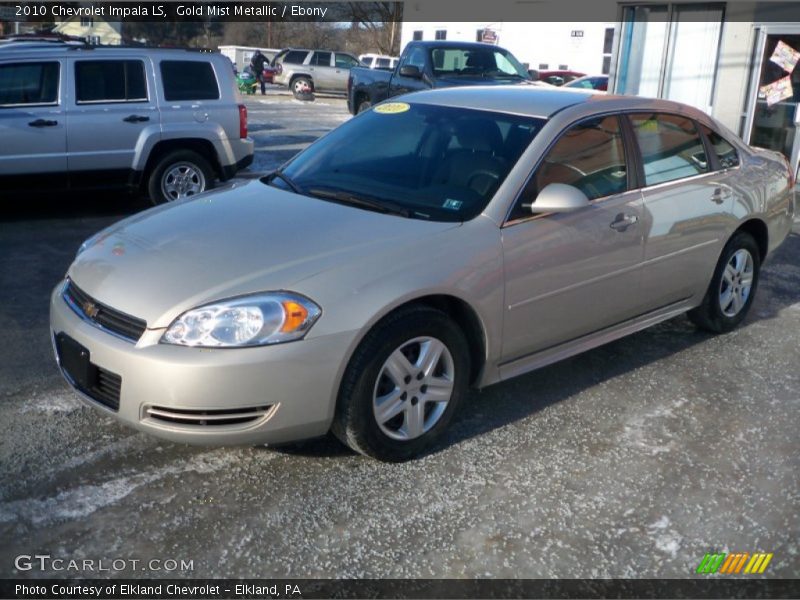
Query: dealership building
x=736, y=60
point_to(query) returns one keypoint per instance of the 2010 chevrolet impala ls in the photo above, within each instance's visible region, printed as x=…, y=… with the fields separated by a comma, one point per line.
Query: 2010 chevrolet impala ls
x=455, y=238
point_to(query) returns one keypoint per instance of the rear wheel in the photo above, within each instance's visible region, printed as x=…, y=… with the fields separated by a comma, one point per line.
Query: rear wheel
x=402, y=385
x=733, y=286
x=179, y=174
x=303, y=88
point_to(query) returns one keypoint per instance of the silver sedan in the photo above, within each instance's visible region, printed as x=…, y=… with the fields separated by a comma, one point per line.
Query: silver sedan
x=449, y=239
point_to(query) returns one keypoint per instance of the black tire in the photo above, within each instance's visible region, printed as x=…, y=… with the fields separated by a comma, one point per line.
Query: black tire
x=165, y=164
x=363, y=105
x=298, y=83
x=355, y=423
x=710, y=315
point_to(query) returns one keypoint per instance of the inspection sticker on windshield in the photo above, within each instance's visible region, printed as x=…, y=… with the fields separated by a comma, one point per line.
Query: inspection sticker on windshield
x=392, y=108
x=450, y=204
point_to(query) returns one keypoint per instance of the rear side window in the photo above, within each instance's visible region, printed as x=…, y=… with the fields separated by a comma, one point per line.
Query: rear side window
x=671, y=147
x=29, y=83
x=321, y=59
x=728, y=157
x=110, y=81
x=189, y=80
x=295, y=57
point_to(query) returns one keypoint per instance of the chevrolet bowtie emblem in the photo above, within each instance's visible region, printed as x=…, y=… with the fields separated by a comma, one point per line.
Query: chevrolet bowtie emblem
x=90, y=309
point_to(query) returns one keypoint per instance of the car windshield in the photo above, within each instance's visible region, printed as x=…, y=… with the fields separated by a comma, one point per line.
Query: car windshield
x=419, y=160
x=490, y=63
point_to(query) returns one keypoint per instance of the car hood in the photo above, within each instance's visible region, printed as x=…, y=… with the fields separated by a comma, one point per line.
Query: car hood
x=161, y=262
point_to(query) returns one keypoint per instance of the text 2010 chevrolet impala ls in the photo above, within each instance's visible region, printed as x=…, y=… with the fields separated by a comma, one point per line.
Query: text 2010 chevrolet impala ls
x=456, y=237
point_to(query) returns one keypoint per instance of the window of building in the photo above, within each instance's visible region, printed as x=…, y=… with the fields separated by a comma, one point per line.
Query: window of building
x=110, y=81
x=441, y=34
x=608, y=48
x=563, y=67
x=670, y=51
x=86, y=21
x=417, y=35
x=29, y=83
x=479, y=35
x=671, y=147
x=543, y=66
x=189, y=80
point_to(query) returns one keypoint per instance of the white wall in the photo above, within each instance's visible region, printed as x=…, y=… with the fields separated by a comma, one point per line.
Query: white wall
x=532, y=43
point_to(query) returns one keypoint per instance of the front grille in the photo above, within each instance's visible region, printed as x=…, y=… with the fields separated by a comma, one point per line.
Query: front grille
x=103, y=316
x=106, y=389
x=207, y=418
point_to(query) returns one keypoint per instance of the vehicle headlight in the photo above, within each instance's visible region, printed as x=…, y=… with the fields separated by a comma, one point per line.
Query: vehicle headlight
x=255, y=320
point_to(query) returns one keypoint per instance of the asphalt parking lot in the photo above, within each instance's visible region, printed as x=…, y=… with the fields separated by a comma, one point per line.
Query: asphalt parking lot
x=632, y=460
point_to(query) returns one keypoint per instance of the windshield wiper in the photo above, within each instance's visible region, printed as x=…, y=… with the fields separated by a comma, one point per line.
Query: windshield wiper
x=344, y=197
x=286, y=179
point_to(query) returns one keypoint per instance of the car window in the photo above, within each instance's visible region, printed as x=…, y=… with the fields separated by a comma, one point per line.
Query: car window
x=670, y=145
x=189, y=80
x=110, y=81
x=441, y=163
x=727, y=154
x=476, y=61
x=384, y=63
x=416, y=58
x=321, y=59
x=29, y=83
x=294, y=57
x=589, y=156
x=345, y=61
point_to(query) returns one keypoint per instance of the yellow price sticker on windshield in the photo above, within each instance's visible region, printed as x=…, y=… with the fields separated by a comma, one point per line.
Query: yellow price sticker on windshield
x=392, y=108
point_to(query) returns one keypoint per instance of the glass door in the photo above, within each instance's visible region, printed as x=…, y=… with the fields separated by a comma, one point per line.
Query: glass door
x=774, y=113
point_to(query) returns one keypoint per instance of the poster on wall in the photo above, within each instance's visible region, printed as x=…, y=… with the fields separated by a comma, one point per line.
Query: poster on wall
x=785, y=57
x=776, y=91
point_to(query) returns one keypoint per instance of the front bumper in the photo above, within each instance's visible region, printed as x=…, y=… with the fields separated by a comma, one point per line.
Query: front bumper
x=293, y=385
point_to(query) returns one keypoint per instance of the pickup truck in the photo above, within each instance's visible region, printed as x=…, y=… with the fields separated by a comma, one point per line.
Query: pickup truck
x=434, y=64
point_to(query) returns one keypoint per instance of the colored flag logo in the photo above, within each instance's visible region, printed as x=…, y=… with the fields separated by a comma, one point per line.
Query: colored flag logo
x=734, y=564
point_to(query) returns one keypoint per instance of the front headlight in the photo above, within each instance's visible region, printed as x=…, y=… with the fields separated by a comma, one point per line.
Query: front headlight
x=255, y=320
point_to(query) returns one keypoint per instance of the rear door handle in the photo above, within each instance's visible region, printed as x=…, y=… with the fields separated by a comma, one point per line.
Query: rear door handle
x=136, y=119
x=43, y=123
x=622, y=222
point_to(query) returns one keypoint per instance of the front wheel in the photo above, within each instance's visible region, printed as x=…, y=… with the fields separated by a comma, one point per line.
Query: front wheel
x=179, y=174
x=363, y=105
x=733, y=286
x=402, y=385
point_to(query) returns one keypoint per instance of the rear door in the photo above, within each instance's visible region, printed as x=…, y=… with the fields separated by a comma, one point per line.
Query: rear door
x=321, y=68
x=688, y=205
x=33, y=127
x=113, y=107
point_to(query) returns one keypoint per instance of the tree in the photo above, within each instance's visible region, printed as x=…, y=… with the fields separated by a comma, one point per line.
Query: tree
x=380, y=20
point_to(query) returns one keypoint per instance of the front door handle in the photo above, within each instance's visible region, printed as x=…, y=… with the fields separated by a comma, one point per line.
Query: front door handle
x=623, y=221
x=43, y=123
x=719, y=196
x=136, y=119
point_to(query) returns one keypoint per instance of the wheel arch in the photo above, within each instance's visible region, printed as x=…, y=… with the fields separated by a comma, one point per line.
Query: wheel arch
x=463, y=314
x=758, y=229
x=202, y=146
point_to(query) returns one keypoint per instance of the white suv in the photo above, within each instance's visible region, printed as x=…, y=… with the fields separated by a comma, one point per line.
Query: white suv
x=168, y=122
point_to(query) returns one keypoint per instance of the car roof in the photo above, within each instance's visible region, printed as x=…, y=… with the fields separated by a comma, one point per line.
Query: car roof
x=541, y=102
x=47, y=48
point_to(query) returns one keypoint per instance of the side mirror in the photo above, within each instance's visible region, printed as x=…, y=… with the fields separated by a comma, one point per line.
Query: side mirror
x=410, y=71
x=559, y=198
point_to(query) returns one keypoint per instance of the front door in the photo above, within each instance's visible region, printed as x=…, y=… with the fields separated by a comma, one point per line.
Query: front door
x=575, y=273
x=774, y=115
